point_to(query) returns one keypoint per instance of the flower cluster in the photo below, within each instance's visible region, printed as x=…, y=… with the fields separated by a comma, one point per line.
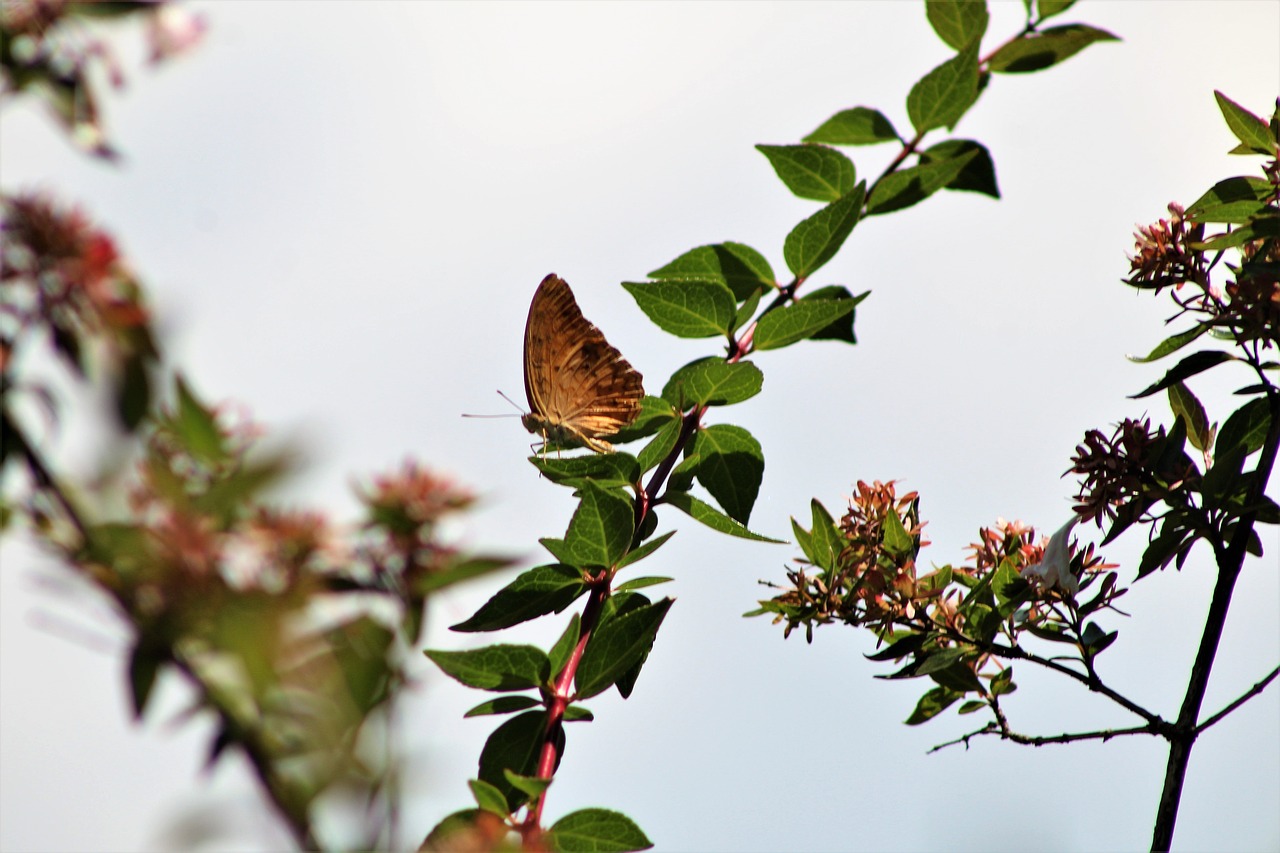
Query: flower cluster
x=1124, y=474
x=1162, y=254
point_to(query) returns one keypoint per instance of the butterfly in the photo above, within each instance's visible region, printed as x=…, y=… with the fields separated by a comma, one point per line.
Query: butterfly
x=579, y=387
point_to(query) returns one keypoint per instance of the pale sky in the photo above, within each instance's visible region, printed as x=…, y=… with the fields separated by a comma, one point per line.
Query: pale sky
x=342, y=211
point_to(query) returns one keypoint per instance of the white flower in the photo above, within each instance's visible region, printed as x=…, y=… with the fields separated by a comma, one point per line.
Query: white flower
x=1055, y=568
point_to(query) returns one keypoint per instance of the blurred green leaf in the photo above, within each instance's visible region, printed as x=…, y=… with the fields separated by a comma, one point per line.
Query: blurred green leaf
x=596, y=831
x=957, y=24
x=489, y=798
x=945, y=94
x=531, y=785
x=503, y=705
x=841, y=329
x=932, y=704
x=857, y=126
x=817, y=239
x=979, y=172
x=144, y=664
x=197, y=428
x=458, y=570
x=1050, y=8
x=1038, y=50
x=712, y=381
x=361, y=646
x=907, y=187
x=895, y=538
x=133, y=390
x=1002, y=682
x=812, y=171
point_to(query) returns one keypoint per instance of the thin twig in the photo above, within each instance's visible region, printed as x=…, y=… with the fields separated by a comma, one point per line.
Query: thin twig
x=1248, y=694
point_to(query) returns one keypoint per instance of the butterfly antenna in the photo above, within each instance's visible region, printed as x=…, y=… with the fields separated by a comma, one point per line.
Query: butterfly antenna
x=505, y=397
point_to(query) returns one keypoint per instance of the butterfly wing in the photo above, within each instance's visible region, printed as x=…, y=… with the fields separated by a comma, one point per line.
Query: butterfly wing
x=579, y=387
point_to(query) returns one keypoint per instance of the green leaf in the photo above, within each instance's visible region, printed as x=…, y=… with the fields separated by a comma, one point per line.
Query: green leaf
x=958, y=24
x=907, y=187
x=979, y=172
x=1002, y=682
x=1233, y=201
x=686, y=308
x=645, y=550
x=708, y=515
x=824, y=537
x=132, y=396
x=595, y=831
x=641, y=583
x=1252, y=131
x=503, y=705
x=196, y=427
x=460, y=570
x=144, y=665
x=537, y=592
x=945, y=94
x=531, y=785
x=500, y=668
x=458, y=825
x=655, y=412
x=1047, y=47
x=515, y=745
x=564, y=646
x=489, y=798
x=857, y=126
x=971, y=706
x=812, y=171
x=747, y=309
x=1050, y=8
x=601, y=527
x=1173, y=343
x=1263, y=226
x=741, y=268
x=1247, y=427
x=577, y=713
x=681, y=479
x=712, y=381
x=617, y=646
x=601, y=467
x=1189, y=366
x=957, y=677
x=1187, y=406
x=791, y=323
x=895, y=538
x=817, y=239
x=932, y=704
x=661, y=446
x=1095, y=639
x=841, y=329
x=731, y=469
x=1222, y=484
x=898, y=649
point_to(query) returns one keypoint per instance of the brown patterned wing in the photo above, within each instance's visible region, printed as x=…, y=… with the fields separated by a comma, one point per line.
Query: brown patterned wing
x=579, y=387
